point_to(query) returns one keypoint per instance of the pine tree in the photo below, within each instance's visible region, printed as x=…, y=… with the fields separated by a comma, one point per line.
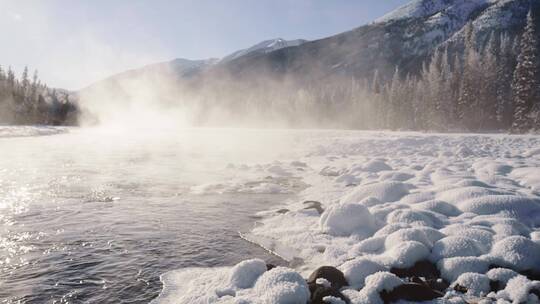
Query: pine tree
x=526, y=83
x=393, y=103
x=487, y=109
x=467, y=104
x=505, y=70
x=25, y=81
x=10, y=79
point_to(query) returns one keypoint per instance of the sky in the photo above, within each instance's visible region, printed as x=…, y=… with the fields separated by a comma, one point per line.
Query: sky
x=73, y=43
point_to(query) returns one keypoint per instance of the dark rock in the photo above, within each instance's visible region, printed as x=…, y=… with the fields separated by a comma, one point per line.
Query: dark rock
x=314, y=205
x=410, y=292
x=270, y=266
x=435, y=284
x=423, y=268
x=282, y=211
x=460, y=288
x=332, y=274
x=417, y=280
x=318, y=292
x=439, y=285
x=536, y=291
x=496, y=285
x=533, y=276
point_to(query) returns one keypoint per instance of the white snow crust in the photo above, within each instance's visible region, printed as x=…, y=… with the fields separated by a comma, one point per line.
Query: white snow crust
x=467, y=203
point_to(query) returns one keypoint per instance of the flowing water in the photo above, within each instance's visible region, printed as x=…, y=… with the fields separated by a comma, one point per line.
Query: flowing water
x=88, y=216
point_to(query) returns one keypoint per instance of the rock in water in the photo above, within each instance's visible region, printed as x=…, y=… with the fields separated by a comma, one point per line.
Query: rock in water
x=332, y=274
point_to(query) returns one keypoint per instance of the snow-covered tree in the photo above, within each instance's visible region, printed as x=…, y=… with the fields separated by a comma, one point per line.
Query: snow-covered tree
x=526, y=83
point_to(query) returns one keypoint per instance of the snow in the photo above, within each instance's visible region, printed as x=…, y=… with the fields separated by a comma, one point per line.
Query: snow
x=452, y=268
x=517, y=289
x=356, y=271
x=406, y=254
x=475, y=283
x=244, y=274
x=383, y=191
x=347, y=218
x=517, y=252
x=455, y=246
x=25, y=131
x=375, y=283
x=281, y=285
x=323, y=282
x=464, y=212
x=333, y=300
x=266, y=46
x=427, y=8
x=502, y=275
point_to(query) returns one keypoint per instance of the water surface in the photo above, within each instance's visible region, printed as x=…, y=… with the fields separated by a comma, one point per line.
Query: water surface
x=96, y=217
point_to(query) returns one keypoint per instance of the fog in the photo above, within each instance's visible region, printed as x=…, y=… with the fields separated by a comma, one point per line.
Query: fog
x=161, y=96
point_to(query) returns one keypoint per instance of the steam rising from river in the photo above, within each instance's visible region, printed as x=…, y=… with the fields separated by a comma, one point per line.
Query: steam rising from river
x=160, y=96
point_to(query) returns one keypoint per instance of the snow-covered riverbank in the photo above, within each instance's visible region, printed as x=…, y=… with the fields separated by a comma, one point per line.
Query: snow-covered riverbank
x=468, y=204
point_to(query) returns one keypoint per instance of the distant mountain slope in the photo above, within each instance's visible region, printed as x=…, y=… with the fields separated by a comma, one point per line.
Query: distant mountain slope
x=404, y=38
x=264, y=47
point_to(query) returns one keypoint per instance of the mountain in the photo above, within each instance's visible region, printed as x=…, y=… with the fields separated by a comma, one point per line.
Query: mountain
x=300, y=76
x=403, y=38
x=181, y=68
x=264, y=47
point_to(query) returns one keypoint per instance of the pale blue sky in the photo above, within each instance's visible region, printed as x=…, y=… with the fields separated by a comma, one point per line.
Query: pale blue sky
x=74, y=43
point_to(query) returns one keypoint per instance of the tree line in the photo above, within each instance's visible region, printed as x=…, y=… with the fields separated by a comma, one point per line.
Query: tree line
x=486, y=86
x=26, y=100
x=475, y=84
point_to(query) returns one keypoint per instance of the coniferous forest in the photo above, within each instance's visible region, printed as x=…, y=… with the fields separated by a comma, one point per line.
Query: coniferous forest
x=491, y=85
x=26, y=100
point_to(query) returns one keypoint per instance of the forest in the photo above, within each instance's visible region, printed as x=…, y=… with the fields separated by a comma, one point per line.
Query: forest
x=28, y=101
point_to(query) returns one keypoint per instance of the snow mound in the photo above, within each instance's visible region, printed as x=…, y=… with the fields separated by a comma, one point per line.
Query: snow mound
x=518, y=288
x=502, y=275
x=517, y=252
x=414, y=218
x=492, y=204
x=347, y=218
x=455, y=246
x=405, y=235
x=476, y=284
x=376, y=166
x=281, y=285
x=452, y=268
x=383, y=191
x=245, y=273
x=357, y=270
x=441, y=207
x=406, y=254
x=375, y=284
x=457, y=195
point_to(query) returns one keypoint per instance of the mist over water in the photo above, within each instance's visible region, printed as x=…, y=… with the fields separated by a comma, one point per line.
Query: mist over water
x=97, y=215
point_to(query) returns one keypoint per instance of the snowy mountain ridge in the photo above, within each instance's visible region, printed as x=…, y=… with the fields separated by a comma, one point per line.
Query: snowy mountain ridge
x=427, y=8
x=266, y=46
